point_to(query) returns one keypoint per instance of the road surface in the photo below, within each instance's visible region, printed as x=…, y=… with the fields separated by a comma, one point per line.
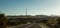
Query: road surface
x=33, y=25
x=43, y=25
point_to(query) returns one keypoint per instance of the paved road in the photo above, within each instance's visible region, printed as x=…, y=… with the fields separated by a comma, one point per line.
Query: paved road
x=33, y=25
x=43, y=25
x=36, y=25
x=22, y=26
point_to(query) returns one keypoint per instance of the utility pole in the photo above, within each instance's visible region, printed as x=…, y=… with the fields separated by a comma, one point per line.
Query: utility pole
x=26, y=11
x=0, y=12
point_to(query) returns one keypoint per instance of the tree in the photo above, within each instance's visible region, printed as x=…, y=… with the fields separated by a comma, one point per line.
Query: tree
x=3, y=21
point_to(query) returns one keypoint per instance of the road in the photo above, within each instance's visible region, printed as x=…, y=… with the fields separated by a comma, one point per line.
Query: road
x=33, y=25
x=21, y=26
x=43, y=25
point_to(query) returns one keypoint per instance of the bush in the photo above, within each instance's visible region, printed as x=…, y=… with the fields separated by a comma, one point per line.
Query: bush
x=3, y=21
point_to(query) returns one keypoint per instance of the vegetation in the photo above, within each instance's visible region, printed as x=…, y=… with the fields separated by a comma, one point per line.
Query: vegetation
x=16, y=22
x=53, y=22
x=3, y=21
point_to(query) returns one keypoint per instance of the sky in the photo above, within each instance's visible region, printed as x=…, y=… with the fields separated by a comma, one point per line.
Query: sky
x=34, y=7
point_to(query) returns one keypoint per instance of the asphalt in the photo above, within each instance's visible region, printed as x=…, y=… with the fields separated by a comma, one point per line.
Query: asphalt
x=21, y=26
x=33, y=25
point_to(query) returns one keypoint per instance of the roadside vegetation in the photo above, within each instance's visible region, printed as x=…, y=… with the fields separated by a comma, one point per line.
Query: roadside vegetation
x=53, y=22
x=16, y=23
x=3, y=21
